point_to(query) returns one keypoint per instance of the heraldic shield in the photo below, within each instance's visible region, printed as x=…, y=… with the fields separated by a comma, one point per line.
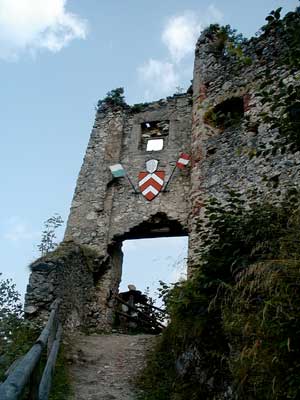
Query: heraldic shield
x=151, y=181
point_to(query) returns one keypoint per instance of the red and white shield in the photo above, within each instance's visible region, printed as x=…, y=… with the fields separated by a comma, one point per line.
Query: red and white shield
x=152, y=181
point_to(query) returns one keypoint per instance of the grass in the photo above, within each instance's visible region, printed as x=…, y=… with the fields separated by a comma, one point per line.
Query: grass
x=61, y=383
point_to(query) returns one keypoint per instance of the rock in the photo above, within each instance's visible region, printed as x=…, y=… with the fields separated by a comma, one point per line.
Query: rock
x=91, y=216
x=30, y=310
x=41, y=267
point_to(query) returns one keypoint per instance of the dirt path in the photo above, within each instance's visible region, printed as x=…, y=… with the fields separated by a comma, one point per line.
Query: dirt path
x=104, y=365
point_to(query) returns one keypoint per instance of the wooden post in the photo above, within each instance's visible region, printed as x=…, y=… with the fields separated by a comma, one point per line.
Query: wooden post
x=34, y=383
x=52, y=334
x=45, y=384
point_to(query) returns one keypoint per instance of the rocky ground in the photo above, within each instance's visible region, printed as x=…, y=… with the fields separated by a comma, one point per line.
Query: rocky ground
x=104, y=366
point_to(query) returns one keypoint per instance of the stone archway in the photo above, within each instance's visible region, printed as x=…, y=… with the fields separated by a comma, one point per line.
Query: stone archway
x=158, y=225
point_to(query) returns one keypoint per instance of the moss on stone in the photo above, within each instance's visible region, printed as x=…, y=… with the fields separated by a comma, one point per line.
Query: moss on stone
x=67, y=249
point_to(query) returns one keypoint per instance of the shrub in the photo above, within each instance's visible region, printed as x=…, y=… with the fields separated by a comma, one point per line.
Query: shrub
x=234, y=326
x=16, y=334
x=114, y=98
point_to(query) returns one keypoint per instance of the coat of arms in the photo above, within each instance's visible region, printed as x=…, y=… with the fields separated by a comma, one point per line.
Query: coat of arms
x=151, y=181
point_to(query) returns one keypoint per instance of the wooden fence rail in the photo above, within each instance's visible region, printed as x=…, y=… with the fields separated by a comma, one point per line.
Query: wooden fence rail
x=141, y=317
x=25, y=372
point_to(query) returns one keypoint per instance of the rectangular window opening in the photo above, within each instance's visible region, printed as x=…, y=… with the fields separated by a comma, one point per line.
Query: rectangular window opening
x=154, y=135
x=155, y=144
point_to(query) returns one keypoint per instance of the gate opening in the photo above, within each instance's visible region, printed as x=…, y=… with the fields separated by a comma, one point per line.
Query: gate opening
x=146, y=262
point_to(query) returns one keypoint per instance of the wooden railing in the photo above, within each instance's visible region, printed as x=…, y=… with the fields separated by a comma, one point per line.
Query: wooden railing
x=24, y=374
x=143, y=319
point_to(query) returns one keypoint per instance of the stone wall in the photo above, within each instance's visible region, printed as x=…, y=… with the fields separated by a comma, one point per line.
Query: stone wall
x=104, y=208
x=67, y=274
x=228, y=158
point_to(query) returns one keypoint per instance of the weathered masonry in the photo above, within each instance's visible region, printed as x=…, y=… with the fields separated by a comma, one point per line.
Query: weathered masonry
x=105, y=210
x=218, y=122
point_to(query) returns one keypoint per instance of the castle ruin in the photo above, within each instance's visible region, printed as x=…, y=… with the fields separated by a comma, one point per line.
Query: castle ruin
x=225, y=155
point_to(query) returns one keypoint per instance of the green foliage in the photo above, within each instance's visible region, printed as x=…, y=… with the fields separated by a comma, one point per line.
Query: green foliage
x=283, y=102
x=48, y=235
x=230, y=43
x=227, y=114
x=288, y=28
x=261, y=318
x=273, y=20
x=9, y=300
x=281, y=96
x=114, y=98
x=67, y=249
x=91, y=257
x=139, y=107
x=157, y=379
x=211, y=118
x=21, y=340
x=236, y=323
x=16, y=334
x=61, y=383
x=291, y=27
x=158, y=314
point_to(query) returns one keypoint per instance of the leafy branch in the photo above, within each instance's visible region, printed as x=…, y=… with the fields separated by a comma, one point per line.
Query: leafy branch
x=48, y=240
x=114, y=98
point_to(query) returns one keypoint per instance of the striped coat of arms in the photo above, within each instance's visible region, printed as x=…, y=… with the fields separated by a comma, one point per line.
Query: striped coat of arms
x=151, y=181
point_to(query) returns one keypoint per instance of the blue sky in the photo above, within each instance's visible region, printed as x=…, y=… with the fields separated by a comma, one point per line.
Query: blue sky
x=148, y=261
x=57, y=58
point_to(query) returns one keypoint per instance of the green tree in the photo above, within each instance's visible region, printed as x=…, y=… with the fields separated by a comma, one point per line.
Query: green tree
x=48, y=240
x=16, y=334
x=113, y=98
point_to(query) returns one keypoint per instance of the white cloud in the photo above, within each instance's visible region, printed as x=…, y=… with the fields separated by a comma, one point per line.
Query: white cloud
x=161, y=76
x=180, y=35
x=182, y=31
x=18, y=230
x=31, y=25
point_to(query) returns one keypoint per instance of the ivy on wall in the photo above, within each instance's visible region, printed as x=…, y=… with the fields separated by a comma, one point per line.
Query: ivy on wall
x=283, y=115
x=234, y=326
x=229, y=43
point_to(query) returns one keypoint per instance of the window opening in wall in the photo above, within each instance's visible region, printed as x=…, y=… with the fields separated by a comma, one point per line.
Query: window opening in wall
x=154, y=130
x=155, y=144
x=227, y=114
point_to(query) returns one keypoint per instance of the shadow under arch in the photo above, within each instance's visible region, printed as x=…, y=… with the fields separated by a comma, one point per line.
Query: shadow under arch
x=157, y=225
